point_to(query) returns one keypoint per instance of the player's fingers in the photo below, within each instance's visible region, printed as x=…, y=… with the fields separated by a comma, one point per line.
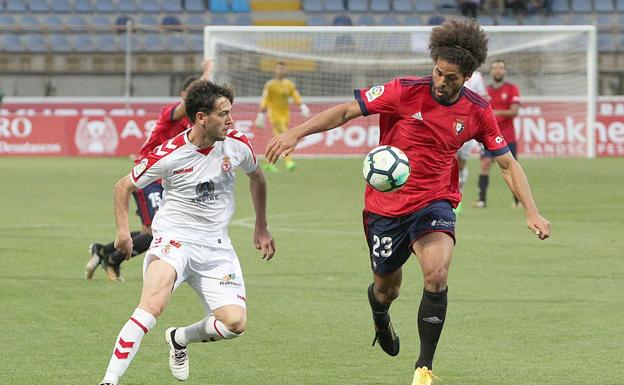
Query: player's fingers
x=271, y=249
x=270, y=151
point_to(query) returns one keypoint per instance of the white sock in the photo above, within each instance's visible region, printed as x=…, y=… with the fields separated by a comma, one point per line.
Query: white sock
x=463, y=178
x=127, y=344
x=209, y=329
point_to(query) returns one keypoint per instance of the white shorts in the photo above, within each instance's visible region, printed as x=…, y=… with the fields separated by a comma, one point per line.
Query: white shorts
x=214, y=273
x=465, y=150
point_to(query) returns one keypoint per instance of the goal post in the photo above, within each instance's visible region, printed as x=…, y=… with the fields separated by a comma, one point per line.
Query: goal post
x=555, y=68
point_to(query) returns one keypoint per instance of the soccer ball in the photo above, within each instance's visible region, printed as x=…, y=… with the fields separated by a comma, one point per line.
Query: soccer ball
x=386, y=168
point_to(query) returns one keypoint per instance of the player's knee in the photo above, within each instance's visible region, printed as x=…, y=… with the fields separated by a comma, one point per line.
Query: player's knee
x=237, y=324
x=387, y=294
x=436, y=278
x=153, y=307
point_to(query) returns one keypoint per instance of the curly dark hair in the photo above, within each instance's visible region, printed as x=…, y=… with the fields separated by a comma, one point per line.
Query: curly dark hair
x=461, y=42
x=188, y=81
x=202, y=96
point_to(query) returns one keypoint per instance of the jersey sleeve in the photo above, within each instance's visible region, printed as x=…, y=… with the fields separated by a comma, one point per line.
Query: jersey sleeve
x=382, y=99
x=149, y=169
x=248, y=158
x=295, y=93
x=515, y=94
x=489, y=133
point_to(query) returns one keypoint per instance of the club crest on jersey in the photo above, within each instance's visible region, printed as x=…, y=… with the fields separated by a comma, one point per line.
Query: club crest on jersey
x=139, y=168
x=374, y=92
x=226, y=165
x=459, y=126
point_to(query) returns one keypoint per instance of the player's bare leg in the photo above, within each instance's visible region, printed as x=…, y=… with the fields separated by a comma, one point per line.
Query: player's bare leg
x=434, y=252
x=157, y=286
x=381, y=293
x=226, y=322
x=484, y=181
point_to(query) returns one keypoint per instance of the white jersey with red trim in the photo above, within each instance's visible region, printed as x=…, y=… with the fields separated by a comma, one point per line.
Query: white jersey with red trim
x=198, y=200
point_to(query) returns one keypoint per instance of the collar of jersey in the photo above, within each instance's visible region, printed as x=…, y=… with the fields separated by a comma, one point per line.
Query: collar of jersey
x=204, y=151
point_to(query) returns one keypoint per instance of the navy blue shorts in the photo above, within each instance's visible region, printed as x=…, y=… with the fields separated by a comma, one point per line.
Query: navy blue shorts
x=147, y=201
x=390, y=239
x=512, y=148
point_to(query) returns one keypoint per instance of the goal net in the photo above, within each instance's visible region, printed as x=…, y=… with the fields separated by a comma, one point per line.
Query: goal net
x=553, y=66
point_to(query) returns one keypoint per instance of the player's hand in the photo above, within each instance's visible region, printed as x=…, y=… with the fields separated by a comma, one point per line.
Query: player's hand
x=207, y=65
x=260, y=120
x=281, y=144
x=305, y=111
x=123, y=243
x=539, y=225
x=264, y=242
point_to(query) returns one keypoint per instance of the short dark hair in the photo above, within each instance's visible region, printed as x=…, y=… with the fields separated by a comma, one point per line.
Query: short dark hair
x=187, y=82
x=460, y=42
x=202, y=96
x=498, y=61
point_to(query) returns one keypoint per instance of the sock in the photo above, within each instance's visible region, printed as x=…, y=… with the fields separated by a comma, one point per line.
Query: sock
x=141, y=243
x=463, y=178
x=109, y=248
x=209, y=329
x=127, y=344
x=431, y=315
x=380, y=310
x=484, y=181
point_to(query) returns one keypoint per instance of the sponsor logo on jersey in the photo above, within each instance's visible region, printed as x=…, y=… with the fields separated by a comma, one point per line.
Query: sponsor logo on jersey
x=499, y=139
x=139, y=168
x=226, y=165
x=166, y=249
x=442, y=223
x=459, y=126
x=417, y=116
x=176, y=244
x=230, y=280
x=374, y=92
x=205, y=194
x=183, y=171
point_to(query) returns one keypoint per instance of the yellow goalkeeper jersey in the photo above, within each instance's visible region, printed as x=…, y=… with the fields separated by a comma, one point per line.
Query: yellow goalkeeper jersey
x=275, y=97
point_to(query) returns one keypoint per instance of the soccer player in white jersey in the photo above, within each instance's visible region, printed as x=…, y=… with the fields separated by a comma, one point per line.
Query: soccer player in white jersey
x=477, y=84
x=191, y=243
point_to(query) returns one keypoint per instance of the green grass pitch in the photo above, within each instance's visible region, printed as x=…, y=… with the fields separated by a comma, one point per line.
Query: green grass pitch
x=521, y=311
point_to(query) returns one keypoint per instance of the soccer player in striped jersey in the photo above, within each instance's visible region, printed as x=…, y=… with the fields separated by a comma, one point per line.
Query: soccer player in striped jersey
x=429, y=119
x=171, y=121
x=191, y=242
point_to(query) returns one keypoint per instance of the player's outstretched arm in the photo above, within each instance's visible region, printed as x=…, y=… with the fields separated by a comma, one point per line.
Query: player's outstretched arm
x=519, y=185
x=262, y=237
x=123, y=240
x=325, y=121
x=180, y=110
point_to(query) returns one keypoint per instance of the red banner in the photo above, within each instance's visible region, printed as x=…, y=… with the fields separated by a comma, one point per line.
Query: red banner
x=544, y=129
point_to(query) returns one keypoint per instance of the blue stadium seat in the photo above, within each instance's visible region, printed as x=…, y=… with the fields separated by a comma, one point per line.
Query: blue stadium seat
x=357, y=5
x=414, y=20
x=435, y=19
x=241, y=6
x=172, y=23
x=220, y=19
x=83, y=43
x=152, y=43
x=77, y=23
x=150, y=6
x=604, y=5
x=196, y=42
x=318, y=20
x=365, y=20
x=402, y=5
x=195, y=5
x=532, y=20
x=172, y=6
x=556, y=20
x=39, y=5
x=424, y=6
x=34, y=42
x=603, y=19
x=60, y=43
x=83, y=6
x=560, y=5
x=61, y=6
x=389, y=19
x=7, y=20
x=380, y=5
x=29, y=21
x=11, y=42
x=312, y=6
x=52, y=20
x=120, y=22
x=581, y=6
x=607, y=42
x=506, y=20
x=148, y=20
x=105, y=6
x=581, y=19
x=16, y=6
x=101, y=22
x=219, y=6
x=334, y=5
x=619, y=5
x=197, y=20
x=106, y=42
x=175, y=42
x=342, y=20
x=127, y=6
x=243, y=20
x=485, y=19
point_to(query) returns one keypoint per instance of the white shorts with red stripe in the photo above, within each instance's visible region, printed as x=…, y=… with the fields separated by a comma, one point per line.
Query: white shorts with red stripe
x=214, y=273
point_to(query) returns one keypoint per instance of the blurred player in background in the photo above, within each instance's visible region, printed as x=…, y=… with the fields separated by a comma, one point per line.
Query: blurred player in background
x=191, y=242
x=505, y=101
x=171, y=122
x=275, y=96
x=476, y=84
x=429, y=119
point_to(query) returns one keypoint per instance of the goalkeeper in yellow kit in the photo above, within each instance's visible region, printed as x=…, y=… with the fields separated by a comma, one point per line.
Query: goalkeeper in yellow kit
x=275, y=96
